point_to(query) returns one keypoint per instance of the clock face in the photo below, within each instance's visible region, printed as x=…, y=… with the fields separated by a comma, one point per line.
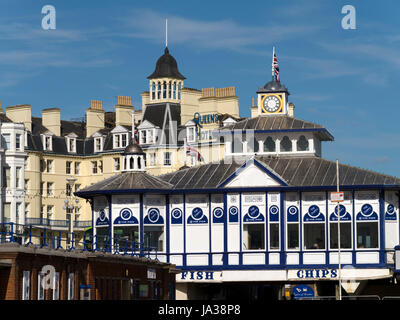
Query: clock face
x=272, y=104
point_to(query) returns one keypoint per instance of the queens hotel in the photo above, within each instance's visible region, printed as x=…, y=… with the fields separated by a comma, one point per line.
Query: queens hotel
x=46, y=159
x=259, y=222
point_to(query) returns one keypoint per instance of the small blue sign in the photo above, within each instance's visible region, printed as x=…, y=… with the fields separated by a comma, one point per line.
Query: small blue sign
x=314, y=214
x=253, y=215
x=367, y=213
x=390, y=212
x=302, y=291
x=344, y=215
x=126, y=217
x=197, y=217
x=176, y=216
x=292, y=214
x=102, y=220
x=274, y=213
x=233, y=214
x=153, y=217
x=218, y=215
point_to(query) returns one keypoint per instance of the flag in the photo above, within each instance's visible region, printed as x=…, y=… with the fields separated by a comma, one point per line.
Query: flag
x=135, y=133
x=275, y=67
x=193, y=152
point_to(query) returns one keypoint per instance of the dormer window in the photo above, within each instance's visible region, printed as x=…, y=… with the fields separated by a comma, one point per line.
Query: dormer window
x=191, y=134
x=146, y=136
x=47, y=142
x=120, y=140
x=71, y=142
x=98, y=144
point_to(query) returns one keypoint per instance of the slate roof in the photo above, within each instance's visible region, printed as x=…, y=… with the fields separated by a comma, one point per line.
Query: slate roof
x=277, y=123
x=166, y=67
x=127, y=180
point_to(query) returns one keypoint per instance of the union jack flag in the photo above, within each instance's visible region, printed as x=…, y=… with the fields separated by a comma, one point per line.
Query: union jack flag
x=275, y=67
x=193, y=152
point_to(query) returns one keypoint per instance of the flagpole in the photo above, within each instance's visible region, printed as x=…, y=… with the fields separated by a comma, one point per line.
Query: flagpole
x=133, y=126
x=338, y=214
x=166, y=32
x=185, y=147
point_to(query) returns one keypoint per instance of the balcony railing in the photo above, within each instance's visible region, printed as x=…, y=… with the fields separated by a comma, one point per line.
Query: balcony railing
x=82, y=224
x=46, y=222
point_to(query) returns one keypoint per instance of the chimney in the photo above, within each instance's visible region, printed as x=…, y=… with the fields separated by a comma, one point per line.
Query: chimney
x=94, y=117
x=21, y=113
x=123, y=111
x=51, y=120
x=291, y=109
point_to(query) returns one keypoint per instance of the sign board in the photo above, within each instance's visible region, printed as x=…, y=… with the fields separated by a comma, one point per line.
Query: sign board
x=337, y=196
x=302, y=291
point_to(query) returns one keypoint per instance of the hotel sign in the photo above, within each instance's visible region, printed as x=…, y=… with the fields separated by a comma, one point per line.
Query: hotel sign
x=199, y=120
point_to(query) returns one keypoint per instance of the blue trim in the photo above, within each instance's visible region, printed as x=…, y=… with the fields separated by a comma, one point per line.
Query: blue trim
x=259, y=165
x=225, y=260
x=240, y=230
x=327, y=232
x=282, y=229
x=301, y=228
x=210, y=261
x=184, y=262
x=266, y=226
x=109, y=198
x=88, y=194
x=382, y=225
x=167, y=228
x=141, y=226
x=354, y=227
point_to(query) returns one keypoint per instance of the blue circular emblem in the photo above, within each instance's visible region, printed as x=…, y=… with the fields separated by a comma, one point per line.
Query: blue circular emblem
x=197, y=213
x=176, y=213
x=390, y=209
x=342, y=210
x=313, y=211
x=218, y=212
x=273, y=210
x=367, y=210
x=292, y=210
x=233, y=211
x=254, y=212
x=125, y=214
x=102, y=215
x=153, y=214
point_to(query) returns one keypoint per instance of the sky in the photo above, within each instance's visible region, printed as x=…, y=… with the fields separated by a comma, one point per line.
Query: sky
x=344, y=79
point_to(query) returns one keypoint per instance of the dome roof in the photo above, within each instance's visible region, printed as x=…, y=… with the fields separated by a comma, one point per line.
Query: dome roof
x=166, y=67
x=273, y=86
x=133, y=148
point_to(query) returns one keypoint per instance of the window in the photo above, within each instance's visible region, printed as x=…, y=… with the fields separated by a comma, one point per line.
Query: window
x=314, y=236
x=191, y=137
x=26, y=210
x=367, y=235
x=47, y=143
x=143, y=136
x=71, y=144
x=42, y=165
x=101, y=166
x=6, y=141
x=77, y=168
x=94, y=167
x=18, y=178
x=167, y=158
x=252, y=145
x=49, y=166
x=6, y=211
x=269, y=145
x=26, y=185
x=345, y=235
x=152, y=159
x=153, y=237
x=98, y=144
x=117, y=165
x=26, y=285
x=302, y=144
x=286, y=144
x=6, y=177
x=49, y=189
x=68, y=189
x=18, y=142
x=41, y=188
x=42, y=212
x=49, y=212
x=293, y=235
x=274, y=236
x=68, y=166
x=237, y=145
x=18, y=211
x=120, y=140
x=253, y=236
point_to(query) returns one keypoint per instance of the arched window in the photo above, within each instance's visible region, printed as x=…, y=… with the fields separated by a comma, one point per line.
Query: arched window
x=131, y=163
x=153, y=90
x=174, y=90
x=169, y=89
x=179, y=91
x=164, y=90
x=286, y=144
x=252, y=145
x=269, y=145
x=237, y=146
x=158, y=90
x=302, y=144
x=139, y=162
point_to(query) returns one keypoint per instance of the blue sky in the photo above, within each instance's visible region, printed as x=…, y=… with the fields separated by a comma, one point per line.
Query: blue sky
x=346, y=80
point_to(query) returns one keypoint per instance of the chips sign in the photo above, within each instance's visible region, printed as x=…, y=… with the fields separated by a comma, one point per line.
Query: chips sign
x=337, y=196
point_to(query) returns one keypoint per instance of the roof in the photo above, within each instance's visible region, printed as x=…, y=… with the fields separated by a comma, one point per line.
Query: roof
x=3, y=118
x=127, y=180
x=276, y=123
x=166, y=67
x=295, y=172
x=273, y=86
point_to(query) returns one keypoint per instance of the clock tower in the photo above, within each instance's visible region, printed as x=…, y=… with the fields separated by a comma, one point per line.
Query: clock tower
x=272, y=99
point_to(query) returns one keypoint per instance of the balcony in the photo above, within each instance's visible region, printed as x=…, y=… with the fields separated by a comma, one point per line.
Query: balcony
x=82, y=224
x=47, y=223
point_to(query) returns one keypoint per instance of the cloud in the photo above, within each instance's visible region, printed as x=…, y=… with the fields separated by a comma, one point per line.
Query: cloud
x=220, y=34
x=383, y=159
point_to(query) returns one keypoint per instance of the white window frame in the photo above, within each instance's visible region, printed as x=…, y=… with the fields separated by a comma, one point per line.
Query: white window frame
x=169, y=159
x=71, y=144
x=26, y=285
x=191, y=134
x=98, y=144
x=47, y=146
x=118, y=140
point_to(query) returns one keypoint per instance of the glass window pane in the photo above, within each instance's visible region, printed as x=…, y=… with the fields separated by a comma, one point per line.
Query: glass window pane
x=345, y=235
x=293, y=236
x=367, y=235
x=302, y=144
x=154, y=237
x=274, y=236
x=269, y=145
x=314, y=236
x=253, y=236
x=286, y=144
